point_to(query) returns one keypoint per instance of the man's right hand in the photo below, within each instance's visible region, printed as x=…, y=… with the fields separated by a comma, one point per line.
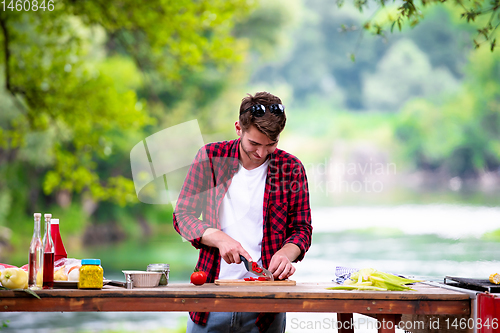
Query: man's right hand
x=229, y=249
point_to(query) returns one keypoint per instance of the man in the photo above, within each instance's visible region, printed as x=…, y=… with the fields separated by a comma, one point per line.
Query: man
x=253, y=201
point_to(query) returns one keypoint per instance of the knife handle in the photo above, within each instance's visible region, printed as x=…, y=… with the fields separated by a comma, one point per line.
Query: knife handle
x=245, y=261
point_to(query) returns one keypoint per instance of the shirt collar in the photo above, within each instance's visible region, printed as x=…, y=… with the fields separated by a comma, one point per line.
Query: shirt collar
x=235, y=153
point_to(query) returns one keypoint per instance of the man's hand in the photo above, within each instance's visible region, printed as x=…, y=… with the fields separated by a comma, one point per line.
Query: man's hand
x=281, y=263
x=229, y=249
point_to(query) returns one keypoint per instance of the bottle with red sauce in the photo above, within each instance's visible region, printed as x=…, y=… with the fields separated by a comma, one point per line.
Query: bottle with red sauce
x=48, y=255
x=59, y=250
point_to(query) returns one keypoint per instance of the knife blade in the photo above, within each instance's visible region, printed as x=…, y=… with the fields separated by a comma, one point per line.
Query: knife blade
x=265, y=273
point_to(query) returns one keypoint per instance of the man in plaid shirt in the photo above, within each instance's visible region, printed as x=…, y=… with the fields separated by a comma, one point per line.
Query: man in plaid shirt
x=246, y=197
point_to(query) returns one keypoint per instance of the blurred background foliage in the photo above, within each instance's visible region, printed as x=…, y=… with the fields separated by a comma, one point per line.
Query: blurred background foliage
x=81, y=85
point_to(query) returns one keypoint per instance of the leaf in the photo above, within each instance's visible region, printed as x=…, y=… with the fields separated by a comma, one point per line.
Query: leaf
x=29, y=291
x=353, y=57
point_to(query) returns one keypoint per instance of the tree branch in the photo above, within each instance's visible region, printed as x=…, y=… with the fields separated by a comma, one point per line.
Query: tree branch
x=14, y=91
x=132, y=51
x=3, y=25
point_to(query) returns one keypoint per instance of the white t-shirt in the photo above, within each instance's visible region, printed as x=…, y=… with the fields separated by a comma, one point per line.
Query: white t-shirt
x=241, y=216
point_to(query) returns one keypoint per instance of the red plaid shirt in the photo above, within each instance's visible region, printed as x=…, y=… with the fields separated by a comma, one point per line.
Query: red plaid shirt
x=287, y=214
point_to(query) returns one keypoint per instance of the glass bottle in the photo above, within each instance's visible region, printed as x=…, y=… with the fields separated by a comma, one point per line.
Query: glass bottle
x=59, y=250
x=35, y=266
x=48, y=256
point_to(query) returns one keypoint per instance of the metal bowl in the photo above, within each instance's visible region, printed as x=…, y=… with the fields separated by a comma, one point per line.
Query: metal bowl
x=160, y=268
x=141, y=279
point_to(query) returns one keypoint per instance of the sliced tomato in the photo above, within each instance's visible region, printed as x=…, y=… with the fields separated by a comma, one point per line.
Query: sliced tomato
x=261, y=278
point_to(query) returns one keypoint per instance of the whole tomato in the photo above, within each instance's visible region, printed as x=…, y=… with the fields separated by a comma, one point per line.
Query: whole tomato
x=198, y=278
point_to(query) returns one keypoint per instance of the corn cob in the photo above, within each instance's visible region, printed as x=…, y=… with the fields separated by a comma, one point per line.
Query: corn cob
x=495, y=278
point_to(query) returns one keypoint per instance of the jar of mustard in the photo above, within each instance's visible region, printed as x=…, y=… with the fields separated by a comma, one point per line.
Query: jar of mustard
x=91, y=274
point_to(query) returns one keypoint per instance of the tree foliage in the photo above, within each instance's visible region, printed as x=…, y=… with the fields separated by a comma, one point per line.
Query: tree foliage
x=409, y=12
x=60, y=108
x=317, y=66
x=460, y=137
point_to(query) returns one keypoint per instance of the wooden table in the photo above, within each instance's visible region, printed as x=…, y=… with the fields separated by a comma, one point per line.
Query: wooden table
x=387, y=307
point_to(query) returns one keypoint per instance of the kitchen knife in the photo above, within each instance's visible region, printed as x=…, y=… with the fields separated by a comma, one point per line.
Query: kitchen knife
x=265, y=273
x=114, y=283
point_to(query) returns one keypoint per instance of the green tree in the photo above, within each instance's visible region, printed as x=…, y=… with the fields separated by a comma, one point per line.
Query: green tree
x=316, y=63
x=81, y=82
x=481, y=13
x=462, y=136
x=55, y=85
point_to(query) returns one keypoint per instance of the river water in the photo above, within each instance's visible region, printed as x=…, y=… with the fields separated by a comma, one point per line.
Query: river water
x=424, y=241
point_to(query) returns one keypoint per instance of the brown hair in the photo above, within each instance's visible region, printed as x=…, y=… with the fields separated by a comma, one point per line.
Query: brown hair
x=269, y=124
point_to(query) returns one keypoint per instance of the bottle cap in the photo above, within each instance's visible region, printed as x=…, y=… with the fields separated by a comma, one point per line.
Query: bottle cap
x=54, y=221
x=47, y=216
x=38, y=215
x=91, y=261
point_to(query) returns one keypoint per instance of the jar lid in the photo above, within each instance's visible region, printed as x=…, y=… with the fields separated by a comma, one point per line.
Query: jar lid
x=159, y=266
x=91, y=261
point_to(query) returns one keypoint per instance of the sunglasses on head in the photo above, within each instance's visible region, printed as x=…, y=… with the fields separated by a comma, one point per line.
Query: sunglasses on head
x=259, y=110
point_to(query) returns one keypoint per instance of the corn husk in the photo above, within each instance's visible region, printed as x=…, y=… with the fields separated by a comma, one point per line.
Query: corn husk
x=371, y=279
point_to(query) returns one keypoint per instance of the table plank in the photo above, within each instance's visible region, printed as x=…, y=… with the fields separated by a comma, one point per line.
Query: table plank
x=210, y=290
x=64, y=304
x=243, y=283
x=304, y=297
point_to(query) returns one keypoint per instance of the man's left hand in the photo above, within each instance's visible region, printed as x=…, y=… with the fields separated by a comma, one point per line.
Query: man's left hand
x=281, y=263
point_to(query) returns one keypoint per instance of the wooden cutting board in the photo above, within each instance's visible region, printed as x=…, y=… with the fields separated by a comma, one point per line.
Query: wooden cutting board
x=229, y=282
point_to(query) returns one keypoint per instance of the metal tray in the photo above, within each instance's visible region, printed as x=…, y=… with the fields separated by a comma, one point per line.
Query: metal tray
x=74, y=284
x=472, y=284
